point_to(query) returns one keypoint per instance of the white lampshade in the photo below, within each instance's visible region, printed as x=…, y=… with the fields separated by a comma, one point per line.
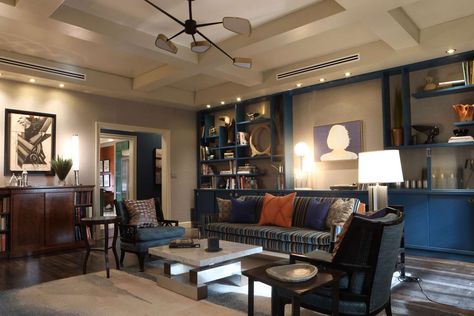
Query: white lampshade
x=382, y=166
x=200, y=46
x=237, y=25
x=75, y=152
x=301, y=149
x=164, y=43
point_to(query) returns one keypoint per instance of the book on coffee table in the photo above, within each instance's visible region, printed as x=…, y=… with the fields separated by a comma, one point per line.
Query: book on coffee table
x=184, y=243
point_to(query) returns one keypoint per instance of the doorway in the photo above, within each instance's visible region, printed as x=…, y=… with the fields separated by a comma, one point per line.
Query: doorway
x=136, y=190
x=117, y=169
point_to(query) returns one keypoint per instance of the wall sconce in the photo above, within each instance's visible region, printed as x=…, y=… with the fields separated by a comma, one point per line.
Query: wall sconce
x=301, y=175
x=75, y=157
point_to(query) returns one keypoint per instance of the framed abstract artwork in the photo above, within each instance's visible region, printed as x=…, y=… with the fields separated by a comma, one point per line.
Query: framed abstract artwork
x=30, y=141
x=158, y=160
x=340, y=141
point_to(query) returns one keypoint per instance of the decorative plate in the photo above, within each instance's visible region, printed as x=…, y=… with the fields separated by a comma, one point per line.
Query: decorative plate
x=297, y=272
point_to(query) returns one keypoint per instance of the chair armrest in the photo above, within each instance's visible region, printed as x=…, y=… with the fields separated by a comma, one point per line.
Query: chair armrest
x=168, y=222
x=128, y=232
x=315, y=261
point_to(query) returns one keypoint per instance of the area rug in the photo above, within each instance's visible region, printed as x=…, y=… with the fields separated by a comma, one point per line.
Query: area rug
x=94, y=294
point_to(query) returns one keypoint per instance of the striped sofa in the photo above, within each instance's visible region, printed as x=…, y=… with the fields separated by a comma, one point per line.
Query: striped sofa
x=295, y=239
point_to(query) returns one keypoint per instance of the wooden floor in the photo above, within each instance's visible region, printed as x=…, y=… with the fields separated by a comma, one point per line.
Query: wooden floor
x=447, y=281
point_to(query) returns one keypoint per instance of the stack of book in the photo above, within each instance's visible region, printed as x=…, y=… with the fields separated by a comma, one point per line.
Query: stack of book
x=468, y=71
x=184, y=243
x=228, y=154
x=460, y=139
x=247, y=169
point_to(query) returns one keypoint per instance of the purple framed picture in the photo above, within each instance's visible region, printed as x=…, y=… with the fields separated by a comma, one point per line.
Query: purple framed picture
x=340, y=141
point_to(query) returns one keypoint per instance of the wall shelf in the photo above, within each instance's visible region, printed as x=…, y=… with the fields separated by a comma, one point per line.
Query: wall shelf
x=216, y=160
x=465, y=123
x=436, y=145
x=256, y=121
x=438, y=92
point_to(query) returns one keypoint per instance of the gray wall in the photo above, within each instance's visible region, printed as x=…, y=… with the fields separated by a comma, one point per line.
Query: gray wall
x=77, y=113
x=358, y=101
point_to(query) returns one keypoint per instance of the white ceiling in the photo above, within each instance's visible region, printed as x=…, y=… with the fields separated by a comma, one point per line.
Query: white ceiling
x=112, y=42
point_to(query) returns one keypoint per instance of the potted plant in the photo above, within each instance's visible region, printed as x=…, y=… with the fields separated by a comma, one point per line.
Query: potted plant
x=61, y=167
x=397, y=130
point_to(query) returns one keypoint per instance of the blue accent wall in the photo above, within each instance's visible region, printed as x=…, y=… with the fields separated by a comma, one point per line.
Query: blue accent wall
x=146, y=143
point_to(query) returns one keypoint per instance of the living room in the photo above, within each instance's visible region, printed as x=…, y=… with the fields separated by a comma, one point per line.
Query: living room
x=388, y=73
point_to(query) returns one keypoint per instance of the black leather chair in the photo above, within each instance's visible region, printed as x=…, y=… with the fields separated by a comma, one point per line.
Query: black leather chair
x=368, y=253
x=137, y=240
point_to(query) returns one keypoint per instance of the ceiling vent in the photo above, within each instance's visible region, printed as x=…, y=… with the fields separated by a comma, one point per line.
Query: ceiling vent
x=320, y=66
x=49, y=70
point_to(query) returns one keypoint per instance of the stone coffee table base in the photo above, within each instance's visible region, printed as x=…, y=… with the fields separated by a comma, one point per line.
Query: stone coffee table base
x=188, y=270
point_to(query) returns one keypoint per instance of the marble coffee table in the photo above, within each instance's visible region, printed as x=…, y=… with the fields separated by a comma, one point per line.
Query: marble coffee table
x=187, y=270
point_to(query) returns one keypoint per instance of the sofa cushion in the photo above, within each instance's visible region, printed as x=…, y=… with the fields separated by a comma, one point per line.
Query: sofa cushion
x=160, y=232
x=142, y=212
x=242, y=211
x=224, y=206
x=277, y=210
x=287, y=234
x=316, y=215
x=340, y=211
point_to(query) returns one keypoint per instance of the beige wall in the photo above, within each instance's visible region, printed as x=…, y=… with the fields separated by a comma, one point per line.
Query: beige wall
x=78, y=112
x=359, y=101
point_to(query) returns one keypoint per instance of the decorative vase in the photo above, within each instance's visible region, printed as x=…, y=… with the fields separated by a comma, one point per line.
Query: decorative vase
x=464, y=112
x=397, y=136
x=62, y=182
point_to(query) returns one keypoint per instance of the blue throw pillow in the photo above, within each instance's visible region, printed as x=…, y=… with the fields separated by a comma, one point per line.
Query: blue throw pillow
x=316, y=215
x=243, y=211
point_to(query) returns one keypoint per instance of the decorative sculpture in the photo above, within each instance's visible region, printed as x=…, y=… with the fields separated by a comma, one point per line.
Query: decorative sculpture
x=430, y=130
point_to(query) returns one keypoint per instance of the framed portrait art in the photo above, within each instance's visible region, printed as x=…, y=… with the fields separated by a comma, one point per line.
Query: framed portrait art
x=340, y=141
x=30, y=141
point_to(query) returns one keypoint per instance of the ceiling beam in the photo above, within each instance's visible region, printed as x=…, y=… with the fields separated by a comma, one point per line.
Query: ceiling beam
x=43, y=8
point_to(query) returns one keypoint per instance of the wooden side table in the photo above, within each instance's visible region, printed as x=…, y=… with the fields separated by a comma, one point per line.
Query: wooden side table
x=295, y=290
x=106, y=221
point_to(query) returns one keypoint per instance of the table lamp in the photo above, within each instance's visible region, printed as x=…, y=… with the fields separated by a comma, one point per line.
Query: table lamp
x=75, y=158
x=377, y=167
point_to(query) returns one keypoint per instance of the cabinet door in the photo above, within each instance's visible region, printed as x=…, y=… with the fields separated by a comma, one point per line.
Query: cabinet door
x=451, y=221
x=59, y=218
x=416, y=218
x=204, y=200
x=27, y=233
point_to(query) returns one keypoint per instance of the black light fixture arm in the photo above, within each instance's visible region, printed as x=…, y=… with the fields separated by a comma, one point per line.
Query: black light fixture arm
x=177, y=34
x=190, y=9
x=207, y=24
x=164, y=12
x=215, y=45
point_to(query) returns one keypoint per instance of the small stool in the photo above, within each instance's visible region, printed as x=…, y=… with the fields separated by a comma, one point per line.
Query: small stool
x=105, y=220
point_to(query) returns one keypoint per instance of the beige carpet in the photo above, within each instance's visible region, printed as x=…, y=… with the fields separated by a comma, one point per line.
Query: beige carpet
x=94, y=294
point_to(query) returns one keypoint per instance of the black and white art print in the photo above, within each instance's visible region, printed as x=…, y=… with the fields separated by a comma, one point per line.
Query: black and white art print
x=30, y=141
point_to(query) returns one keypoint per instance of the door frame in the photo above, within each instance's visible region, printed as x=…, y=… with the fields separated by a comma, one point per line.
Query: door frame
x=166, y=160
x=132, y=140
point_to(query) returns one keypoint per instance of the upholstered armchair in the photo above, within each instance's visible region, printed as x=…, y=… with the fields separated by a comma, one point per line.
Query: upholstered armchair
x=137, y=239
x=368, y=253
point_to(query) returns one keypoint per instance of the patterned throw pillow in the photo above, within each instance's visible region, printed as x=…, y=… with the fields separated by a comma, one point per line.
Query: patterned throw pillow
x=142, y=212
x=343, y=232
x=224, y=206
x=339, y=212
x=277, y=210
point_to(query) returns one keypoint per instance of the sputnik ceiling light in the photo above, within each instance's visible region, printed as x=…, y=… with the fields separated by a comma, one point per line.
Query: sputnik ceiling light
x=236, y=25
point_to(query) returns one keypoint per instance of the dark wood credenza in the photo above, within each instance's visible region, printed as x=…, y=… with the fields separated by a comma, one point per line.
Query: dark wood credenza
x=43, y=219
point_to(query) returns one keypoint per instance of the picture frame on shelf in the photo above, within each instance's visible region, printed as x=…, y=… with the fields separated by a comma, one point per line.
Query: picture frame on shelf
x=106, y=180
x=101, y=181
x=101, y=166
x=30, y=141
x=106, y=165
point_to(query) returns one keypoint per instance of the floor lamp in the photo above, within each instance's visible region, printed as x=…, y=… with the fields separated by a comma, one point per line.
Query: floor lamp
x=376, y=167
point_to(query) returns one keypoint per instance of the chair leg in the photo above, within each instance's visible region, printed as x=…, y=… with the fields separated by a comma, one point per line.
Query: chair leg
x=122, y=257
x=141, y=260
x=388, y=308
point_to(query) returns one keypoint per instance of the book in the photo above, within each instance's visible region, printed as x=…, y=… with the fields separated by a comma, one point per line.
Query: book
x=184, y=243
x=460, y=139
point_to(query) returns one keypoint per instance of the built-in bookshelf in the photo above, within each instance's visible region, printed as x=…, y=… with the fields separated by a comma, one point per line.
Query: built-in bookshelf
x=4, y=226
x=83, y=203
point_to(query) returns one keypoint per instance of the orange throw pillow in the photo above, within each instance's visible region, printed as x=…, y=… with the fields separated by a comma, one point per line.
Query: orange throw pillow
x=277, y=210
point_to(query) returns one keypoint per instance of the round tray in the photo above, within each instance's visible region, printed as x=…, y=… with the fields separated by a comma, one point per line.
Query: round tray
x=298, y=272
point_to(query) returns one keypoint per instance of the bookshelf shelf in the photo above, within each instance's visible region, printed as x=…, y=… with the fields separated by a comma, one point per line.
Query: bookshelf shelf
x=445, y=91
x=465, y=123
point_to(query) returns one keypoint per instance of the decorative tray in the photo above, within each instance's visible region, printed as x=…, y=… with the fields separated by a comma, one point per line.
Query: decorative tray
x=297, y=272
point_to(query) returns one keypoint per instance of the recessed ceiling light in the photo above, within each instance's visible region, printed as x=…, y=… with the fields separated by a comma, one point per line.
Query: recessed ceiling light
x=450, y=51
x=61, y=85
x=322, y=79
x=299, y=84
x=32, y=80
x=347, y=74
x=222, y=102
x=208, y=106
x=238, y=99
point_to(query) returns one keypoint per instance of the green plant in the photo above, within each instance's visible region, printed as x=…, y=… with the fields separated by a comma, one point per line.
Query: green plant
x=397, y=109
x=61, y=167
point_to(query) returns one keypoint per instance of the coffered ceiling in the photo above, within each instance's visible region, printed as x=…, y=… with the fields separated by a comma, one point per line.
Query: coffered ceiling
x=112, y=43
